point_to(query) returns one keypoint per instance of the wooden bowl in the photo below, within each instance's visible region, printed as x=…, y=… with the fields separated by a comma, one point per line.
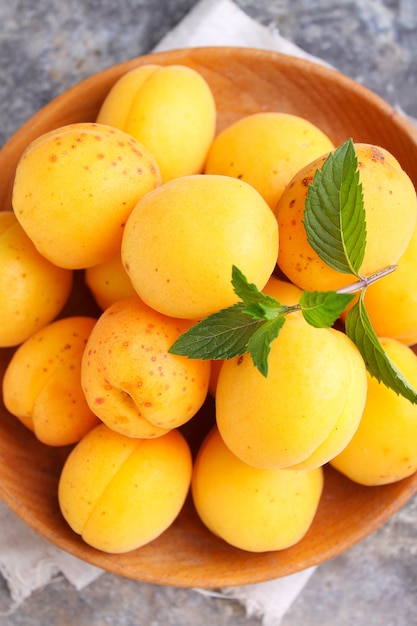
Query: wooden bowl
x=243, y=81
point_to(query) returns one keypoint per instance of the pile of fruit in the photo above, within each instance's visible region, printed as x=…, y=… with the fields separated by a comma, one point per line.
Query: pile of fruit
x=210, y=258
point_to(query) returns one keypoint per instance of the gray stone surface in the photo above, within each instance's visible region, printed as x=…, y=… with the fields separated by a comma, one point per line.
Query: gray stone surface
x=372, y=584
x=48, y=45
x=372, y=41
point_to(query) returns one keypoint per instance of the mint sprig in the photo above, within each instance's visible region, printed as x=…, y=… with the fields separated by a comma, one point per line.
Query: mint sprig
x=250, y=326
x=334, y=220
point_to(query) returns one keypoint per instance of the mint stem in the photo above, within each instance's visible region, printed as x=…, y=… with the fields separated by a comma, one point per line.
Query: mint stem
x=367, y=280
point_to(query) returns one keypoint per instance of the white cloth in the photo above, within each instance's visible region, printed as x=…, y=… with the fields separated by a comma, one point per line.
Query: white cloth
x=269, y=600
x=28, y=561
x=222, y=23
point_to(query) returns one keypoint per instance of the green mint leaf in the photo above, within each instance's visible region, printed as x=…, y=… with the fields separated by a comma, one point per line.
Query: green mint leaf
x=322, y=308
x=266, y=310
x=246, y=327
x=221, y=335
x=259, y=345
x=379, y=365
x=334, y=217
x=247, y=292
x=258, y=305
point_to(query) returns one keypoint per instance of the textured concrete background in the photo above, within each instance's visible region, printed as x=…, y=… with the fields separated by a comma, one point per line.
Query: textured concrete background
x=47, y=46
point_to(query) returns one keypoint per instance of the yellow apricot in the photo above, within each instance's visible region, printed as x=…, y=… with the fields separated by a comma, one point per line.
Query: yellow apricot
x=117, y=105
x=281, y=420
x=390, y=211
x=32, y=289
x=109, y=282
x=250, y=508
x=384, y=448
x=130, y=380
x=171, y=110
x=120, y=493
x=42, y=382
x=181, y=241
x=72, y=127
x=351, y=408
x=391, y=302
x=266, y=150
x=353, y=399
x=282, y=290
x=74, y=189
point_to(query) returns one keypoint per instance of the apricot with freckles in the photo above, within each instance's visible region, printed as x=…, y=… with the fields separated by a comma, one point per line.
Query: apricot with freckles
x=390, y=206
x=42, y=382
x=74, y=189
x=131, y=381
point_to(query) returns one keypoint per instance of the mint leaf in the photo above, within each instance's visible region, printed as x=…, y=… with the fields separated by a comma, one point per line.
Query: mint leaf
x=334, y=217
x=322, y=308
x=221, y=335
x=247, y=292
x=259, y=345
x=248, y=326
x=359, y=328
x=257, y=304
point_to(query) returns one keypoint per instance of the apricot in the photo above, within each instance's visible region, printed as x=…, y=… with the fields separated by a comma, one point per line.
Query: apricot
x=117, y=105
x=285, y=292
x=266, y=150
x=316, y=384
x=351, y=408
x=171, y=110
x=181, y=241
x=282, y=290
x=250, y=508
x=391, y=302
x=42, y=382
x=109, y=282
x=390, y=211
x=74, y=189
x=32, y=289
x=130, y=380
x=384, y=448
x=120, y=493
x=289, y=294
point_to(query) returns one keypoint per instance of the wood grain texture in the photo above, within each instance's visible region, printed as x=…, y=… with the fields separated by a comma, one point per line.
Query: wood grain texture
x=243, y=81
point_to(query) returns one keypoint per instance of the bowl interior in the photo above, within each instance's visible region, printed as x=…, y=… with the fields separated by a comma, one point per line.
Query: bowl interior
x=243, y=81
